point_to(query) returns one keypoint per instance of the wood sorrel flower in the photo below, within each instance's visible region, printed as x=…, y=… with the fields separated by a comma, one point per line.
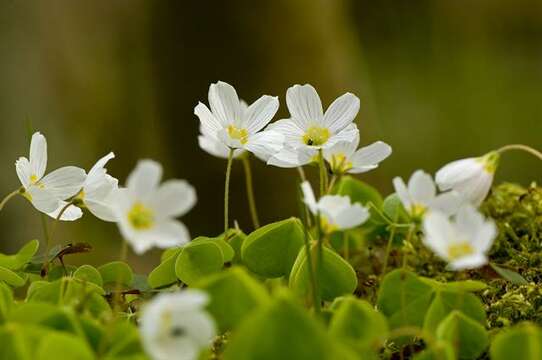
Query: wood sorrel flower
x=175, y=326
x=471, y=177
x=345, y=157
x=145, y=210
x=421, y=195
x=47, y=192
x=309, y=129
x=464, y=241
x=231, y=124
x=336, y=212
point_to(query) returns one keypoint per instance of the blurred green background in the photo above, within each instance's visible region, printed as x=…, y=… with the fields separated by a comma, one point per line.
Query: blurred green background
x=438, y=80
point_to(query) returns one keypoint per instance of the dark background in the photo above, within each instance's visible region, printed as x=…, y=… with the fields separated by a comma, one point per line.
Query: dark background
x=438, y=80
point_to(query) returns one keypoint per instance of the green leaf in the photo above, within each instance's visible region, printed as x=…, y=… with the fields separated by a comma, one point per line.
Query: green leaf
x=10, y=277
x=227, y=251
x=357, y=322
x=404, y=299
x=197, y=260
x=358, y=191
x=440, y=351
x=17, y=261
x=465, y=285
x=281, y=330
x=164, y=274
x=234, y=295
x=270, y=251
x=63, y=346
x=335, y=278
x=520, y=342
x=393, y=208
x=90, y=274
x=447, y=301
x=169, y=253
x=509, y=275
x=116, y=271
x=468, y=337
x=6, y=301
x=19, y=341
x=236, y=239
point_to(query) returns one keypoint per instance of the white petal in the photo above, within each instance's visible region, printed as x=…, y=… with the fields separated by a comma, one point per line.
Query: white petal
x=447, y=203
x=352, y=216
x=402, y=192
x=341, y=112
x=346, y=148
x=368, y=157
x=168, y=234
x=265, y=144
x=348, y=134
x=260, y=113
x=43, y=200
x=293, y=134
x=174, y=198
x=38, y=155
x=103, y=210
x=469, y=262
x=456, y=172
x=475, y=189
x=225, y=104
x=215, y=147
x=421, y=187
x=144, y=179
x=439, y=233
x=100, y=164
x=72, y=213
x=65, y=182
x=209, y=123
x=485, y=237
x=304, y=105
x=290, y=158
x=24, y=171
x=308, y=197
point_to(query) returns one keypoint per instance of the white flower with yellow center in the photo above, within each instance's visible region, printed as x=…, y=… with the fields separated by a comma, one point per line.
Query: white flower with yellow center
x=97, y=191
x=175, y=326
x=345, y=157
x=463, y=242
x=146, y=210
x=47, y=192
x=231, y=124
x=309, y=129
x=336, y=212
x=471, y=177
x=421, y=195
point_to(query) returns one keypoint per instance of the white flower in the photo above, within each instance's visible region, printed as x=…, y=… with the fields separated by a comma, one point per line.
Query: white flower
x=97, y=191
x=344, y=158
x=336, y=212
x=463, y=242
x=175, y=326
x=471, y=177
x=310, y=129
x=421, y=195
x=231, y=124
x=145, y=210
x=47, y=192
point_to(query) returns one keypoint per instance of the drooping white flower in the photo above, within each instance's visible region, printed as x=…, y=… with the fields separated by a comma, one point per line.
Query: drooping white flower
x=146, y=210
x=231, y=124
x=464, y=241
x=175, y=326
x=421, y=195
x=97, y=191
x=345, y=157
x=336, y=212
x=471, y=177
x=309, y=129
x=47, y=192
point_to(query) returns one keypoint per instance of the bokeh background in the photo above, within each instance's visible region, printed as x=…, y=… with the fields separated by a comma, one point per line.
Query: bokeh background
x=438, y=80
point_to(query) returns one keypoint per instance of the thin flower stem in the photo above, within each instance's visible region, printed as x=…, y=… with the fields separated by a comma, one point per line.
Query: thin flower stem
x=250, y=192
x=521, y=147
x=407, y=241
x=227, y=190
x=334, y=179
x=8, y=197
x=117, y=296
x=51, y=235
x=301, y=173
x=323, y=173
x=388, y=250
x=45, y=233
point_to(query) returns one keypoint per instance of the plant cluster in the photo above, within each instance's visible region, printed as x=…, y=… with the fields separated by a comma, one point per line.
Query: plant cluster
x=444, y=268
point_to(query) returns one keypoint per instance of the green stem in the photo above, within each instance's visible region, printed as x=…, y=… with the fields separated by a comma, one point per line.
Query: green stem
x=227, y=190
x=407, y=241
x=323, y=173
x=250, y=192
x=332, y=183
x=51, y=235
x=8, y=197
x=45, y=234
x=301, y=173
x=388, y=250
x=521, y=147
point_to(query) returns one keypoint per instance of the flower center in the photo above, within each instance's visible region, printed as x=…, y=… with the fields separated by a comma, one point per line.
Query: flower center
x=490, y=161
x=326, y=226
x=35, y=181
x=417, y=211
x=316, y=136
x=340, y=163
x=460, y=250
x=238, y=134
x=141, y=217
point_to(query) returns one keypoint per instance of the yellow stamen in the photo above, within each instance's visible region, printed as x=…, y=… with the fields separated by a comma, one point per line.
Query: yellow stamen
x=238, y=134
x=417, y=211
x=460, y=250
x=316, y=136
x=141, y=217
x=340, y=163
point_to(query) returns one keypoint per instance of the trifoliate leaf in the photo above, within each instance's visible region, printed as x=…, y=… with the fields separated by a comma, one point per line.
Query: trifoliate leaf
x=89, y=273
x=116, y=272
x=164, y=274
x=227, y=251
x=197, y=260
x=468, y=337
x=63, y=346
x=23, y=256
x=358, y=191
x=10, y=277
x=520, y=342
